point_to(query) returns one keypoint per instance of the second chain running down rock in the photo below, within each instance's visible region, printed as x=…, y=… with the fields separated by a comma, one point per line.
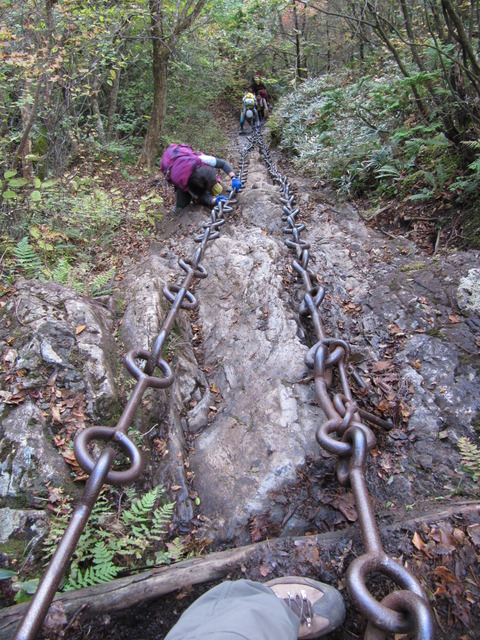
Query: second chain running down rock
x=266, y=430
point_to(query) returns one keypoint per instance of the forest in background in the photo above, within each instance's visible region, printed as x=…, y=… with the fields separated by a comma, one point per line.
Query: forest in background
x=382, y=100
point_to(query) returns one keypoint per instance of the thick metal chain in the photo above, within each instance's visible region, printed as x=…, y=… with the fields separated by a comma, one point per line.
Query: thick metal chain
x=346, y=436
x=156, y=373
x=402, y=611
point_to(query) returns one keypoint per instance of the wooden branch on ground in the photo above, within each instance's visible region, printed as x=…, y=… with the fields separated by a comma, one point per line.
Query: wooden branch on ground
x=375, y=213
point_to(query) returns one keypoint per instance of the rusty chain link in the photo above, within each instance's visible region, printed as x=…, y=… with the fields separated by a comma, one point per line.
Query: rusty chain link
x=402, y=611
x=346, y=436
x=156, y=373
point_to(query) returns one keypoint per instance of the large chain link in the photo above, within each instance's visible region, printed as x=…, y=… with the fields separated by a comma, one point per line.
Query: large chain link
x=346, y=436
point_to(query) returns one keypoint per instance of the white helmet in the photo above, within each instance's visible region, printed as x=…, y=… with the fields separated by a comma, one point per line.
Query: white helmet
x=249, y=114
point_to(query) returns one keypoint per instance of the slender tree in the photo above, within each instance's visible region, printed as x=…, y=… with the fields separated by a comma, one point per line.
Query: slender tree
x=168, y=22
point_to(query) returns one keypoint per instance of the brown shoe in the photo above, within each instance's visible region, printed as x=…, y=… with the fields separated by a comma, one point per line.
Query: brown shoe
x=319, y=606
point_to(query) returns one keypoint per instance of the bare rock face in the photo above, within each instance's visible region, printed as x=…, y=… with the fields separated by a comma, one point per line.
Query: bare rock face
x=51, y=337
x=264, y=424
x=28, y=459
x=60, y=333
x=253, y=440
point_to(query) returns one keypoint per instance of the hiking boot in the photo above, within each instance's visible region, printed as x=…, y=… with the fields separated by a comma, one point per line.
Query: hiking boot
x=319, y=606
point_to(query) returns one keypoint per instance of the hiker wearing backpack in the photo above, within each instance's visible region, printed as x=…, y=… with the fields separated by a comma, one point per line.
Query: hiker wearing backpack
x=257, y=85
x=249, y=111
x=194, y=177
x=263, y=110
x=260, y=92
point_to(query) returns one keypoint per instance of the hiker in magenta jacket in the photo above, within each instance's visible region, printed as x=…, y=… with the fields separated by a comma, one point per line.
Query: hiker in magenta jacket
x=194, y=177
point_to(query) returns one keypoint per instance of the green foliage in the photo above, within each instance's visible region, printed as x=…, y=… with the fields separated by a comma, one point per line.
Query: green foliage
x=115, y=540
x=26, y=258
x=363, y=135
x=25, y=589
x=75, y=221
x=100, y=571
x=470, y=454
x=6, y=574
x=99, y=285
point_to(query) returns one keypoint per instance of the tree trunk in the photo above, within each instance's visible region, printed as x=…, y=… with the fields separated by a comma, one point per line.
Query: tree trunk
x=163, y=46
x=112, y=107
x=462, y=36
x=298, y=51
x=29, y=118
x=393, y=50
x=96, y=109
x=411, y=37
x=151, y=143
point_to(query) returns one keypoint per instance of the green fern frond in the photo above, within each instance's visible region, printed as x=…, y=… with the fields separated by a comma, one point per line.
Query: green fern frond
x=163, y=557
x=470, y=457
x=99, y=286
x=473, y=144
x=140, y=531
x=141, y=508
x=161, y=518
x=62, y=271
x=387, y=171
x=102, y=554
x=475, y=166
x=430, y=179
x=129, y=546
x=176, y=549
x=26, y=258
x=95, y=574
x=110, y=542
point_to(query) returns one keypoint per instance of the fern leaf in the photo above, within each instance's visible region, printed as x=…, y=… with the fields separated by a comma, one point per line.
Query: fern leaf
x=140, y=531
x=176, y=549
x=162, y=557
x=102, y=554
x=475, y=166
x=470, y=454
x=62, y=271
x=99, y=285
x=141, y=508
x=473, y=144
x=161, y=518
x=26, y=258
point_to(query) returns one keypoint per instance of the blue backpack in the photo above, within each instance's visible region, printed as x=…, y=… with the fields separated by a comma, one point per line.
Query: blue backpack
x=178, y=163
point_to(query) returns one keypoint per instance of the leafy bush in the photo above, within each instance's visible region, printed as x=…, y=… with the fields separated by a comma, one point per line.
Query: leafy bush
x=363, y=135
x=73, y=222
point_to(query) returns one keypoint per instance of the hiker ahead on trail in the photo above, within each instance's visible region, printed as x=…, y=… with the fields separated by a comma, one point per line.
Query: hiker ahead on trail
x=194, y=177
x=257, y=85
x=249, y=111
x=259, y=90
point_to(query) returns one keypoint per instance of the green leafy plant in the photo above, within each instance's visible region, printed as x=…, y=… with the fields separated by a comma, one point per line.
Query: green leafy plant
x=114, y=541
x=102, y=569
x=99, y=286
x=470, y=457
x=24, y=589
x=26, y=258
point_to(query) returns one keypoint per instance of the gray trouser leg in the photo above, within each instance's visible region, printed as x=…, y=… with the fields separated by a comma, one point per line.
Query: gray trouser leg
x=240, y=609
x=183, y=199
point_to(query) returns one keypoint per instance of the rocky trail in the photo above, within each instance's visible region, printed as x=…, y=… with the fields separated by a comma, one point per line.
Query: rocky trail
x=234, y=440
